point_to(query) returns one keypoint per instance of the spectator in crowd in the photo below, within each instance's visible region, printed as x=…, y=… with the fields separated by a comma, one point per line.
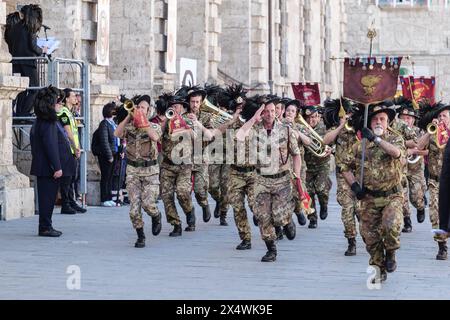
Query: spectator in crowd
x=22, y=42
x=444, y=193
x=108, y=149
x=52, y=158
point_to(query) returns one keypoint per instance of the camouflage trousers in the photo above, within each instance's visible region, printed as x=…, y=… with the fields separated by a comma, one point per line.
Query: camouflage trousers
x=405, y=205
x=433, y=188
x=218, y=182
x=143, y=193
x=273, y=205
x=347, y=201
x=318, y=183
x=201, y=180
x=241, y=184
x=296, y=202
x=176, y=178
x=416, y=186
x=380, y=225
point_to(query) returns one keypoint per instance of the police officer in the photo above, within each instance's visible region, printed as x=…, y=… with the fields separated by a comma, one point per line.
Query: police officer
x=381, y=193
x=276, y=144
x=142, y=166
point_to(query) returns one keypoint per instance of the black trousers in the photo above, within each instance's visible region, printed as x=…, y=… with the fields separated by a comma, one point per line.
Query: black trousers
x=444, y=191
x=25, y=99
x=67, y=193
x=106, y=172
x=47, y=189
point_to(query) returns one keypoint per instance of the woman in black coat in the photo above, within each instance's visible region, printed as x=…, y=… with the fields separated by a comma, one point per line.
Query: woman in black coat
x=51, y=156
x=108, y=150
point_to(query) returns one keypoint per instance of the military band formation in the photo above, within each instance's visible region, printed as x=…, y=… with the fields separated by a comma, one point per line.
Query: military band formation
x=267, y=151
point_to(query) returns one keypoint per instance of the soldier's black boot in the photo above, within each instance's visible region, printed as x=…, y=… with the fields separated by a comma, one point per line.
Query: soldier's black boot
x=420, y=215
x=67, y=209
x=407, y=227
x=390, y=262
x=176, y=231
x=271, y=254
x=312, y=223
x=206, y=214
x=351, y=250
x=279, y=233
x=77, y=208
x=216, y=210
x=190, y=220
x=244, y=245
x=255, y=221
x=301, y=218
x=290, y=230
x=223, y=221
x=156, y=224
x=323, y=210
x=140, y=243
x=442, y=253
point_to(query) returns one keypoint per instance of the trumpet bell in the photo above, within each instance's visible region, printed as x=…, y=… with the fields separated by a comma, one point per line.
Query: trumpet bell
x=170, y=113
x=432, y=128
x=317, y=147
x=218, y=117
x=128, y=105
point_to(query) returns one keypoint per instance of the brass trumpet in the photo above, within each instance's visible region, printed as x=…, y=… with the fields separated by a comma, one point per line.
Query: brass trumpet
x=129, y=106
x=317, y=147
x=432, y=128
x=170, y=113
x=349, y=127
x=218, y=117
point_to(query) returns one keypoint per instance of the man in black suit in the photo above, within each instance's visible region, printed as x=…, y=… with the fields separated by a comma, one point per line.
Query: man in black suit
x=22, y=42
x=51, y=156
x=444, y=192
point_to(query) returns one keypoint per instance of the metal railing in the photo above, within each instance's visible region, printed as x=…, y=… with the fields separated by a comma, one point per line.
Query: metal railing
x=52, y=75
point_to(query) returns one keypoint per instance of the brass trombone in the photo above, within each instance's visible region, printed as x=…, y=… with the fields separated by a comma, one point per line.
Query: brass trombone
x=317, y=147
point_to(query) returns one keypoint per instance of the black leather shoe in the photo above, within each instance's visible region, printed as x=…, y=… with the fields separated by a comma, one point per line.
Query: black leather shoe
x=271, y=254
x=140, y=242
x=351, y=250
x=156, y=225
x=67, y=210
x=323, y=213
x=279, y=233
x=176, y=231
x=407, y=227
x=420, y=215
x=442, y=253
x=77, y=208
x=206, y=214
x=290, y=230
x=255, y=221
x=223, y=221
x=312, y=224
x=301, y=218
x=244, y=245
x=216, y=210
x=390, y=262
x=50, y=233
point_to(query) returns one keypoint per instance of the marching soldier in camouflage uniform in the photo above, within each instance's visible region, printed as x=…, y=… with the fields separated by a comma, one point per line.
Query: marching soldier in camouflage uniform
x=142, y=167
x=344, y=138
x=273, y=185
x=414, y=180
x=317, y=169
x=381, y=194
x=195, y=97
x=441, y=115
x=176, y=167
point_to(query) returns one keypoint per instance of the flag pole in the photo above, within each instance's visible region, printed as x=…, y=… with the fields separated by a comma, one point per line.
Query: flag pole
x=371, y=34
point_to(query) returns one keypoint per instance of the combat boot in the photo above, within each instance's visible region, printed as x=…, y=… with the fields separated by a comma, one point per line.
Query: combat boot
x=420, y=215
x=407, y=227
x=140, y=243
x=390, y=262
x=223, y=221
x=156, y=224
x=255, y=221
x=312, y=224
x=206, y=213
x=442, y=253
x=271, y=254
x=77, y=208
x=216, y=210
x=244, y=245
x=351, y=250
x=301, y=218
x=176, y=231
x=190, y=220
x=279, y=233
x=290, y=230
x=323, y=212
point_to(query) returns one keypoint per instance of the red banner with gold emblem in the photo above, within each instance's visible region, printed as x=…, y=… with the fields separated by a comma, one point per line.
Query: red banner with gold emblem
x=177, y=124
x=371, y=80
x=307, y=93
x=421, y=88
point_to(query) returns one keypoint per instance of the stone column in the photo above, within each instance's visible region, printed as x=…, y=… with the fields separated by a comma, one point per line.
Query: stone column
x=16, y=196
x=259, y=46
